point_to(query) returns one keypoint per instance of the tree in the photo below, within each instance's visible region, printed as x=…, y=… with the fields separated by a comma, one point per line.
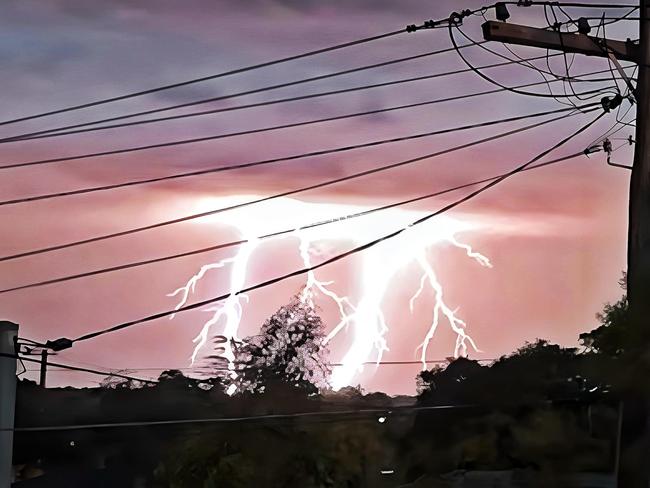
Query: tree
x=289, y=350
x=614, y=336
x=445, y=384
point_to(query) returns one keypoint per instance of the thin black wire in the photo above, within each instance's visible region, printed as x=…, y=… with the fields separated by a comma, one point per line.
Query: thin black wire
x=350, y=414
x=619, y=124
x=564, y=56
x=346, y=254
x=504, y=87
x=558, y=78
x=577, y=4
x=608, y=20
x=285, y=232
x=280, y=195
x=32, y=135
x=542, y=73
x=513, y=89
x=605, y=49
x=56, y=133
x=75, y=368
x=213, y=368
x=526, y=62
x=263, y=162
x=273, y=128
x=314, y=416
x=205, y=78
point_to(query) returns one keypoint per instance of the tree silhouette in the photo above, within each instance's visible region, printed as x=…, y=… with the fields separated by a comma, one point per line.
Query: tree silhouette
x=614, y=336
x=289, y=350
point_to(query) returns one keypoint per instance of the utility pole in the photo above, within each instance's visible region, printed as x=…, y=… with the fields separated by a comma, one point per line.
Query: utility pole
x=638, y=246
x=8, y=335
x=638, y=250
x=43, y=368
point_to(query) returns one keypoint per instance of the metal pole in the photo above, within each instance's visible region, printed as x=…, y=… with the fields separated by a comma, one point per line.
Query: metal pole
x=619, y=433
x=43, y=368
x=8, y=334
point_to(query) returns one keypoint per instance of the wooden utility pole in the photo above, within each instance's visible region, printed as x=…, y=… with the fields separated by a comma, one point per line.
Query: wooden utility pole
x=638, y=251
x=8, y=334
x=638, y=246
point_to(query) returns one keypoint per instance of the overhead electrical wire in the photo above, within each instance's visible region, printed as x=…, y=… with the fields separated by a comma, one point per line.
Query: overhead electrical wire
x=62, y=131
x=75, y=368
x=567, y=66
x=269, y=63
x=285, y=232
x=340, y=149
x=355, y=250
x=350, y=414
x=608, y=20
x=204, y=78
x=504, y=87
x=529, y=64
x=620, y=124
x=571, y=4
x=358, y=414
x=31, y=135
x=208, y=368
x=271, y=128
x=322, y=184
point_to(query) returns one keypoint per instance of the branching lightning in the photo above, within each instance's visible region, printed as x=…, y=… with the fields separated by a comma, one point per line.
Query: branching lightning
x=365, y=320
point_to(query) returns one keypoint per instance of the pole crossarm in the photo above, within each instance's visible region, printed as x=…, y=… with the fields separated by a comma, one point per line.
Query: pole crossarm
x=559, y=41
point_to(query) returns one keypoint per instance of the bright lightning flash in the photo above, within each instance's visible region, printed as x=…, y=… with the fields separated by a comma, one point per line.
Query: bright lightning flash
x=380, y=264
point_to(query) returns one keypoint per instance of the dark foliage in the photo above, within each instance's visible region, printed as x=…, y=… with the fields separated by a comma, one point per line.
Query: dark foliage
x=289, y=350
x=614, y=335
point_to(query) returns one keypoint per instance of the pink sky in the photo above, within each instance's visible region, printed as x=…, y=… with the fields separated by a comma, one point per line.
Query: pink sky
x=556, y=237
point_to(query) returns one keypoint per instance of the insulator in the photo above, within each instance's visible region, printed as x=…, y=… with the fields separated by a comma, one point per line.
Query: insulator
x=501, y=11
x=583, y=26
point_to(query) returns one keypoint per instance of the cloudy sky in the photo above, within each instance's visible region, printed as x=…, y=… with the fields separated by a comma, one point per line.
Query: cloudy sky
x=555, y=237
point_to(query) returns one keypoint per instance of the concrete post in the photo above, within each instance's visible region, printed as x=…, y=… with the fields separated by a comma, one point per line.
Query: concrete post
x=8, y=334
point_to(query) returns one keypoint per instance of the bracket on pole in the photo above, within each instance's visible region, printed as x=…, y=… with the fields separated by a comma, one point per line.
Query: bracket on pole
x=607, y=147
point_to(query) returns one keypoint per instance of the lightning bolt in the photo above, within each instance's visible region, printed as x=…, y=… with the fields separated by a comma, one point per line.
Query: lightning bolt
x=313, y=285
x=379, y=269
x=365, y=321
x=231, y=309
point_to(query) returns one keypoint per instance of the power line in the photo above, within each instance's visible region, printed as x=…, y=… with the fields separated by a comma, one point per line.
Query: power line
x=263, y=162
x=55, y=131
x=508, y=88
x=204, y=78
x=352, y=414
x=368, y=411
x=267, y=129
x=267, y=236
x=358, y=249
x=574, y=4
x=566, y=78
x=610, y=20
x=213, y=368
x=285, y=193
x=541, y=72
x=62, y=131
x=284, y=100
x=75, y=368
